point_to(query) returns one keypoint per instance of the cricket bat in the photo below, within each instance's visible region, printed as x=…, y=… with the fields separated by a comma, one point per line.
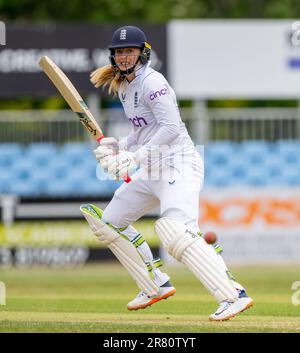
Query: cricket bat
x=73, y=98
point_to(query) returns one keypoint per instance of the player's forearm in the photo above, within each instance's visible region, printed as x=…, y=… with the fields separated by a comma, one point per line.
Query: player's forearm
x=165, y=135
x=168, y=119
x=127, y=142
x=162, y=138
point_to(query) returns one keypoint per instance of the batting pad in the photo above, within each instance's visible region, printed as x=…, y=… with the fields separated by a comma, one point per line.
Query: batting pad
x=192, y=250
x=123, y=249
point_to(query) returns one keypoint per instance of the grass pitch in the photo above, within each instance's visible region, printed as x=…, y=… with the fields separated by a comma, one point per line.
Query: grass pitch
x=94, y=298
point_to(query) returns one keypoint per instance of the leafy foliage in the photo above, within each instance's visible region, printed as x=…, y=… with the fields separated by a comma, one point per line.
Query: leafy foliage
x=144, y=11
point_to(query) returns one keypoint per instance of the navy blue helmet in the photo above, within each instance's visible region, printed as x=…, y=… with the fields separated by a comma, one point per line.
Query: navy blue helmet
x=130, y=37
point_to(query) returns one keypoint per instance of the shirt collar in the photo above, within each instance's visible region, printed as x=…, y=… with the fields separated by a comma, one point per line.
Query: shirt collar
x=139, y=73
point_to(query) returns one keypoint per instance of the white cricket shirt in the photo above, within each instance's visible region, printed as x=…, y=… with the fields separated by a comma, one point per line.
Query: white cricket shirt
x=150, y=106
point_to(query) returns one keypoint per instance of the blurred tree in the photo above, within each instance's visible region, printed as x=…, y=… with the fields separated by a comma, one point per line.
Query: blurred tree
x=143, y=10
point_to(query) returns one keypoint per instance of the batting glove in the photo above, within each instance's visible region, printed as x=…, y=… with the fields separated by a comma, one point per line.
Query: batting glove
x=121, y=164
x=108, y=146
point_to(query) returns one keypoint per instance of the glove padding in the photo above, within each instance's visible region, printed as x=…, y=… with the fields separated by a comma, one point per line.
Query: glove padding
x=108, y=146
x=121, y=164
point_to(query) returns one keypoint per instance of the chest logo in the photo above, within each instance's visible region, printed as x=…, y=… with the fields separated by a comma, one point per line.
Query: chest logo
x=138, y=121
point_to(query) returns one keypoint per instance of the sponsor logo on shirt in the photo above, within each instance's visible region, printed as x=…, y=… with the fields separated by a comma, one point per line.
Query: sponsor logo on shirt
x=123, y=96
x=138, y=121
x=156, y=94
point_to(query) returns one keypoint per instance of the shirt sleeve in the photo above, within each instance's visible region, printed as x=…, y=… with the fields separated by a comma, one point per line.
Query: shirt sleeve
x=160, y=97
x=127, y=142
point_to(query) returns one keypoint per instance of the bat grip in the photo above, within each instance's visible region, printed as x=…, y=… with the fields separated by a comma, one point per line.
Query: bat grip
x=126, y=178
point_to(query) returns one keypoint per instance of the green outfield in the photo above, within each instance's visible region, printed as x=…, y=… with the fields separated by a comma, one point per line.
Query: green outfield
x=93, y=299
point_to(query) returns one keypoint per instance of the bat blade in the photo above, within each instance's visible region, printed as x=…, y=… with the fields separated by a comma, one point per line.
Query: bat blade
x=71, y=96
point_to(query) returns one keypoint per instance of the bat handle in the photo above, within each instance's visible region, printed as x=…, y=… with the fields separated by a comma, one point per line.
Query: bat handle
x=126, y=178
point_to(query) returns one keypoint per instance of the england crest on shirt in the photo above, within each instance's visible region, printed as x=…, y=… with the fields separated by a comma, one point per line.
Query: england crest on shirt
x=136, y=100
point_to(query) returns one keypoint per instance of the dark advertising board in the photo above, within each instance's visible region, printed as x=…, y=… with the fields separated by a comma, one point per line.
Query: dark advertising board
x=77, y=49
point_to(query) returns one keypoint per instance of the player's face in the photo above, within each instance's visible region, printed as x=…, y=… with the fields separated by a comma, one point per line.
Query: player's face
x=125, y=58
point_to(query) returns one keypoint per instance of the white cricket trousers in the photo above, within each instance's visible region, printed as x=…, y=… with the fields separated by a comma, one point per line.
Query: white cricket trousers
x=176, y=193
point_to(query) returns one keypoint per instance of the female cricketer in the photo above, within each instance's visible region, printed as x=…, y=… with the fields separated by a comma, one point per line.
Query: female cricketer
x=166, y=172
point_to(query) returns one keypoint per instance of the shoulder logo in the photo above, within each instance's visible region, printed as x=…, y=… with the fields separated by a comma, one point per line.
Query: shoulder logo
x=123, y=96
x=159, y=93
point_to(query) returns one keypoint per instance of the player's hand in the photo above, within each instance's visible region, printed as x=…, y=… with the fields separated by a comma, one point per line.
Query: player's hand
x=108, y=146
x=121, y=164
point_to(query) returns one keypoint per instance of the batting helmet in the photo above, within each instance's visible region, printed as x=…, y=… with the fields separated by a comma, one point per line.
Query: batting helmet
x=130, y=37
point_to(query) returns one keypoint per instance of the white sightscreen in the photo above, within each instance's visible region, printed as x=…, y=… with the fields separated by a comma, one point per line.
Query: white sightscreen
x=236, y=58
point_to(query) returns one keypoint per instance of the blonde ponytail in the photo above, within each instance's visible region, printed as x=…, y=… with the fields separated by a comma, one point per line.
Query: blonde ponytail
x=106, y=76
